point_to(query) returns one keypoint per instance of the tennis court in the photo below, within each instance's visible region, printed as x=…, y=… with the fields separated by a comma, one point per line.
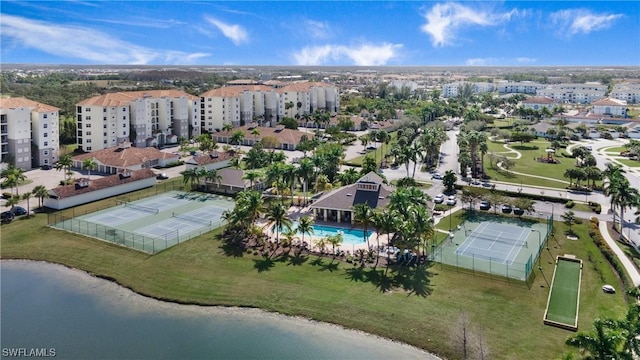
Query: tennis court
x=564, y=296
x=151, y=224
x=502, y=246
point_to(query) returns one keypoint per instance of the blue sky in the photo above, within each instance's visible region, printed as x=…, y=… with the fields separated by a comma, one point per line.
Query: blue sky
x=364, y=33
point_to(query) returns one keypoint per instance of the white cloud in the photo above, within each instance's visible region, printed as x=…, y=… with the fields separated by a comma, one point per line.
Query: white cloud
x=526, y=60
x=575, y=21
x=445, y=20
x=318, y=29
x=236, y=33
x=75, y=42
x=480, y=61
x=360, y=55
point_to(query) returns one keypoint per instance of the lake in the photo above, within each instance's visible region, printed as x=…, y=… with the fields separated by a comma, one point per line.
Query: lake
x=50, y=309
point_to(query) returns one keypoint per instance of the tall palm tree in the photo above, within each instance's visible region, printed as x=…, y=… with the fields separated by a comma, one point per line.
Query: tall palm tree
x=227, y=127
x=625, y=197
x=630, y=329
x=12, y=202
x=278, y=220
x=255, y=132
x=89, y=164
x=250, y=204
x=190, y=176
x=305, y=172
x=305, y=226
x=236, y=138
x=213, y=176
x=27, y=196
x=13, y=177
x=335, y=241
x=65, y=163
x=362, y=214
x=41, y=193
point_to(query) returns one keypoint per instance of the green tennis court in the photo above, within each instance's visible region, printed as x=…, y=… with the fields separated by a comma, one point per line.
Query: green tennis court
x=564, y=296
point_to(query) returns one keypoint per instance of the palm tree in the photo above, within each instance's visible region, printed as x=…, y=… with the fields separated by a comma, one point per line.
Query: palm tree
x=349, y=176
x=41, y=193
x=249, y=203
x=27, y=196
x=252, y=176
x=362, y=214
x=629, y=328
x=569, y=218
x=602, y=344
x=227, y=127
x=236, y=138
x=13, y=177
x=305, y=226
x=255, y=132
x=305, y=172
x=335, y=241
x=213, y=176
x=12, y=202
x=190, y=176
x=278, y=220
x=89, y=164
x=65, y=163
x=625, y=197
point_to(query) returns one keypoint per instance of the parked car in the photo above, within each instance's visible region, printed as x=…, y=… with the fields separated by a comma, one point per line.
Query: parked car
x=506, y=209
x=476, y=182
x=608, y=289
x=485, y=205
x=451, y=200
x=18, y=211
x=45, y=167
x=518, y=211
x=438, y=199
x=436, y=176
x=371, y=147
x=7, y=217
x=162, y=176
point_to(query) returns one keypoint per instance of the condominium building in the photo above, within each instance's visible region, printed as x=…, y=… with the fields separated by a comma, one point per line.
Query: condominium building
x=239, y=105
x=521, y=87
x=627, y=91
x=146, y=118
x=574, y=93
x=29, y=133
x=452, y=89
x=610, y=107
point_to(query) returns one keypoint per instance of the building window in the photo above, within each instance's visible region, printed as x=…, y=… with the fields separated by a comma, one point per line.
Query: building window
x=46, y=152
x=87, y=109
x=88, y=125
x=124, y=125
x=88, y=148
x=45, y=135
x=46, y=143
x=104, y=126
x=44, y=116
x=44, y=126
x=104, y=109
x=124, y=109
x=87, y=117
x=124, y=118
x=88, y=133
x=46, y=161
x=88, y=141
x=124, y=133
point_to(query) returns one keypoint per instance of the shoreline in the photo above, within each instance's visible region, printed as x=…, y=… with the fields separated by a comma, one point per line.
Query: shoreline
x=87, y=282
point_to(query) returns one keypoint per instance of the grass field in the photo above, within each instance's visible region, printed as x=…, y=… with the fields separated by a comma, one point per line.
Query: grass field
x=527, y=165
x=423, y=308
x=565, y=293
x=629, y=162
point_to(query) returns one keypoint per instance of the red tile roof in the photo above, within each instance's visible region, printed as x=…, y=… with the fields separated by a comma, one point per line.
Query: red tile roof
x=126, y=157
x=235, y=91
x=126, y=97
x=285, y=136
x=17, y=102
x=609, y=102
x=539, y=100
x=211, y=158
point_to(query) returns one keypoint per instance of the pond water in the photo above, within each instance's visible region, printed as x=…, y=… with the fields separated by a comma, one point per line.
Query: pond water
x=54, y=309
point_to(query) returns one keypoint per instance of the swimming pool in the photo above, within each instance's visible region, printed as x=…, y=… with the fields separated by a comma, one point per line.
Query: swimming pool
x=350, y=236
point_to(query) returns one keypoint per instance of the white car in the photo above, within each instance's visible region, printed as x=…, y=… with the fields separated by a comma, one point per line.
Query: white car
x=609, y=289
x=436, y=176
x=451, y=200
x=438, y=199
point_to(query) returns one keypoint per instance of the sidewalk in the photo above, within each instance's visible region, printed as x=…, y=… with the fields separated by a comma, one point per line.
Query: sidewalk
x=628, y=265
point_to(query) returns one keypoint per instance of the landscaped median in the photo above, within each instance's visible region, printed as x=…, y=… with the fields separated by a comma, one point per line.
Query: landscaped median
x=206, y=271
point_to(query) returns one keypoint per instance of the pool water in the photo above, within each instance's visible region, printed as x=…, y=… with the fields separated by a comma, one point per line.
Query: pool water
x=349, y=236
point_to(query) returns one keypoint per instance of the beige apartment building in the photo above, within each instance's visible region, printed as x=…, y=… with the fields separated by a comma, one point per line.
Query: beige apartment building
x=145, y=118
x=29, y=133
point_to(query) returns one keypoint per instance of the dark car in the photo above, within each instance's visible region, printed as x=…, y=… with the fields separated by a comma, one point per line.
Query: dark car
x=162, y=176
x=518, y=211
x=18, y=211
x=45, y=167
x=506, y=209
x=7, y=217
x=485, y=205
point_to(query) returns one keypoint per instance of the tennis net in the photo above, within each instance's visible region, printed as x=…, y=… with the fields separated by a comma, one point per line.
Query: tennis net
x=193, y=219
x=490, y=238
x=142, y=208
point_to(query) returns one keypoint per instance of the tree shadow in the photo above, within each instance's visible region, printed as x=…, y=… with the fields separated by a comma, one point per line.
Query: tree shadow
x=331, y=267
x=297, y=260
x=317, y=262
x=232, y=250
x=356, y=274
x=381, y=281
x=264, y=264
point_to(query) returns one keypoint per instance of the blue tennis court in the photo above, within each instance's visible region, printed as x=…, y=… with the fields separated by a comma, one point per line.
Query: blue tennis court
x=495, y=242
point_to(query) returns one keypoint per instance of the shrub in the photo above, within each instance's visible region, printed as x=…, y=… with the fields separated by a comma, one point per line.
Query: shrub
x=569, y=204
x=441, y=207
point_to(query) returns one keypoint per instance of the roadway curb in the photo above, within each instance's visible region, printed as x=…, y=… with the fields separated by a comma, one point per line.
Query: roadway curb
x=628, y=265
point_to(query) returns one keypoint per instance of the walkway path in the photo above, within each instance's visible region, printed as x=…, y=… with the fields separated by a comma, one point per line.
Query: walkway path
x=499, y=164
x=628, y=265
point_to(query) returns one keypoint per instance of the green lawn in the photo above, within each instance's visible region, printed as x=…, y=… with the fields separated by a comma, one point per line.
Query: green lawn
x=422, y=309
x=377, y=154
x=563, y=301
x=615, y=149
x=629, y=162
x=527, y=165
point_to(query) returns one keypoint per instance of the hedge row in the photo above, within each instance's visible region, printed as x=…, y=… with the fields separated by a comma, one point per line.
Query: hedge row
x=596, y=237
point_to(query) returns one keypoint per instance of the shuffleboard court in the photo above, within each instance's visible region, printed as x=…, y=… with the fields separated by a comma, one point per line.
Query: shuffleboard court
x=564, y=296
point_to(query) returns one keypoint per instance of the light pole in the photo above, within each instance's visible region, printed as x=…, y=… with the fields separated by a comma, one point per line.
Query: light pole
x=539, y=244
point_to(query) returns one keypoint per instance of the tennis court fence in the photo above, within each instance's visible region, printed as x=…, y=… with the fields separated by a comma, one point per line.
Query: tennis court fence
x=148, y=244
